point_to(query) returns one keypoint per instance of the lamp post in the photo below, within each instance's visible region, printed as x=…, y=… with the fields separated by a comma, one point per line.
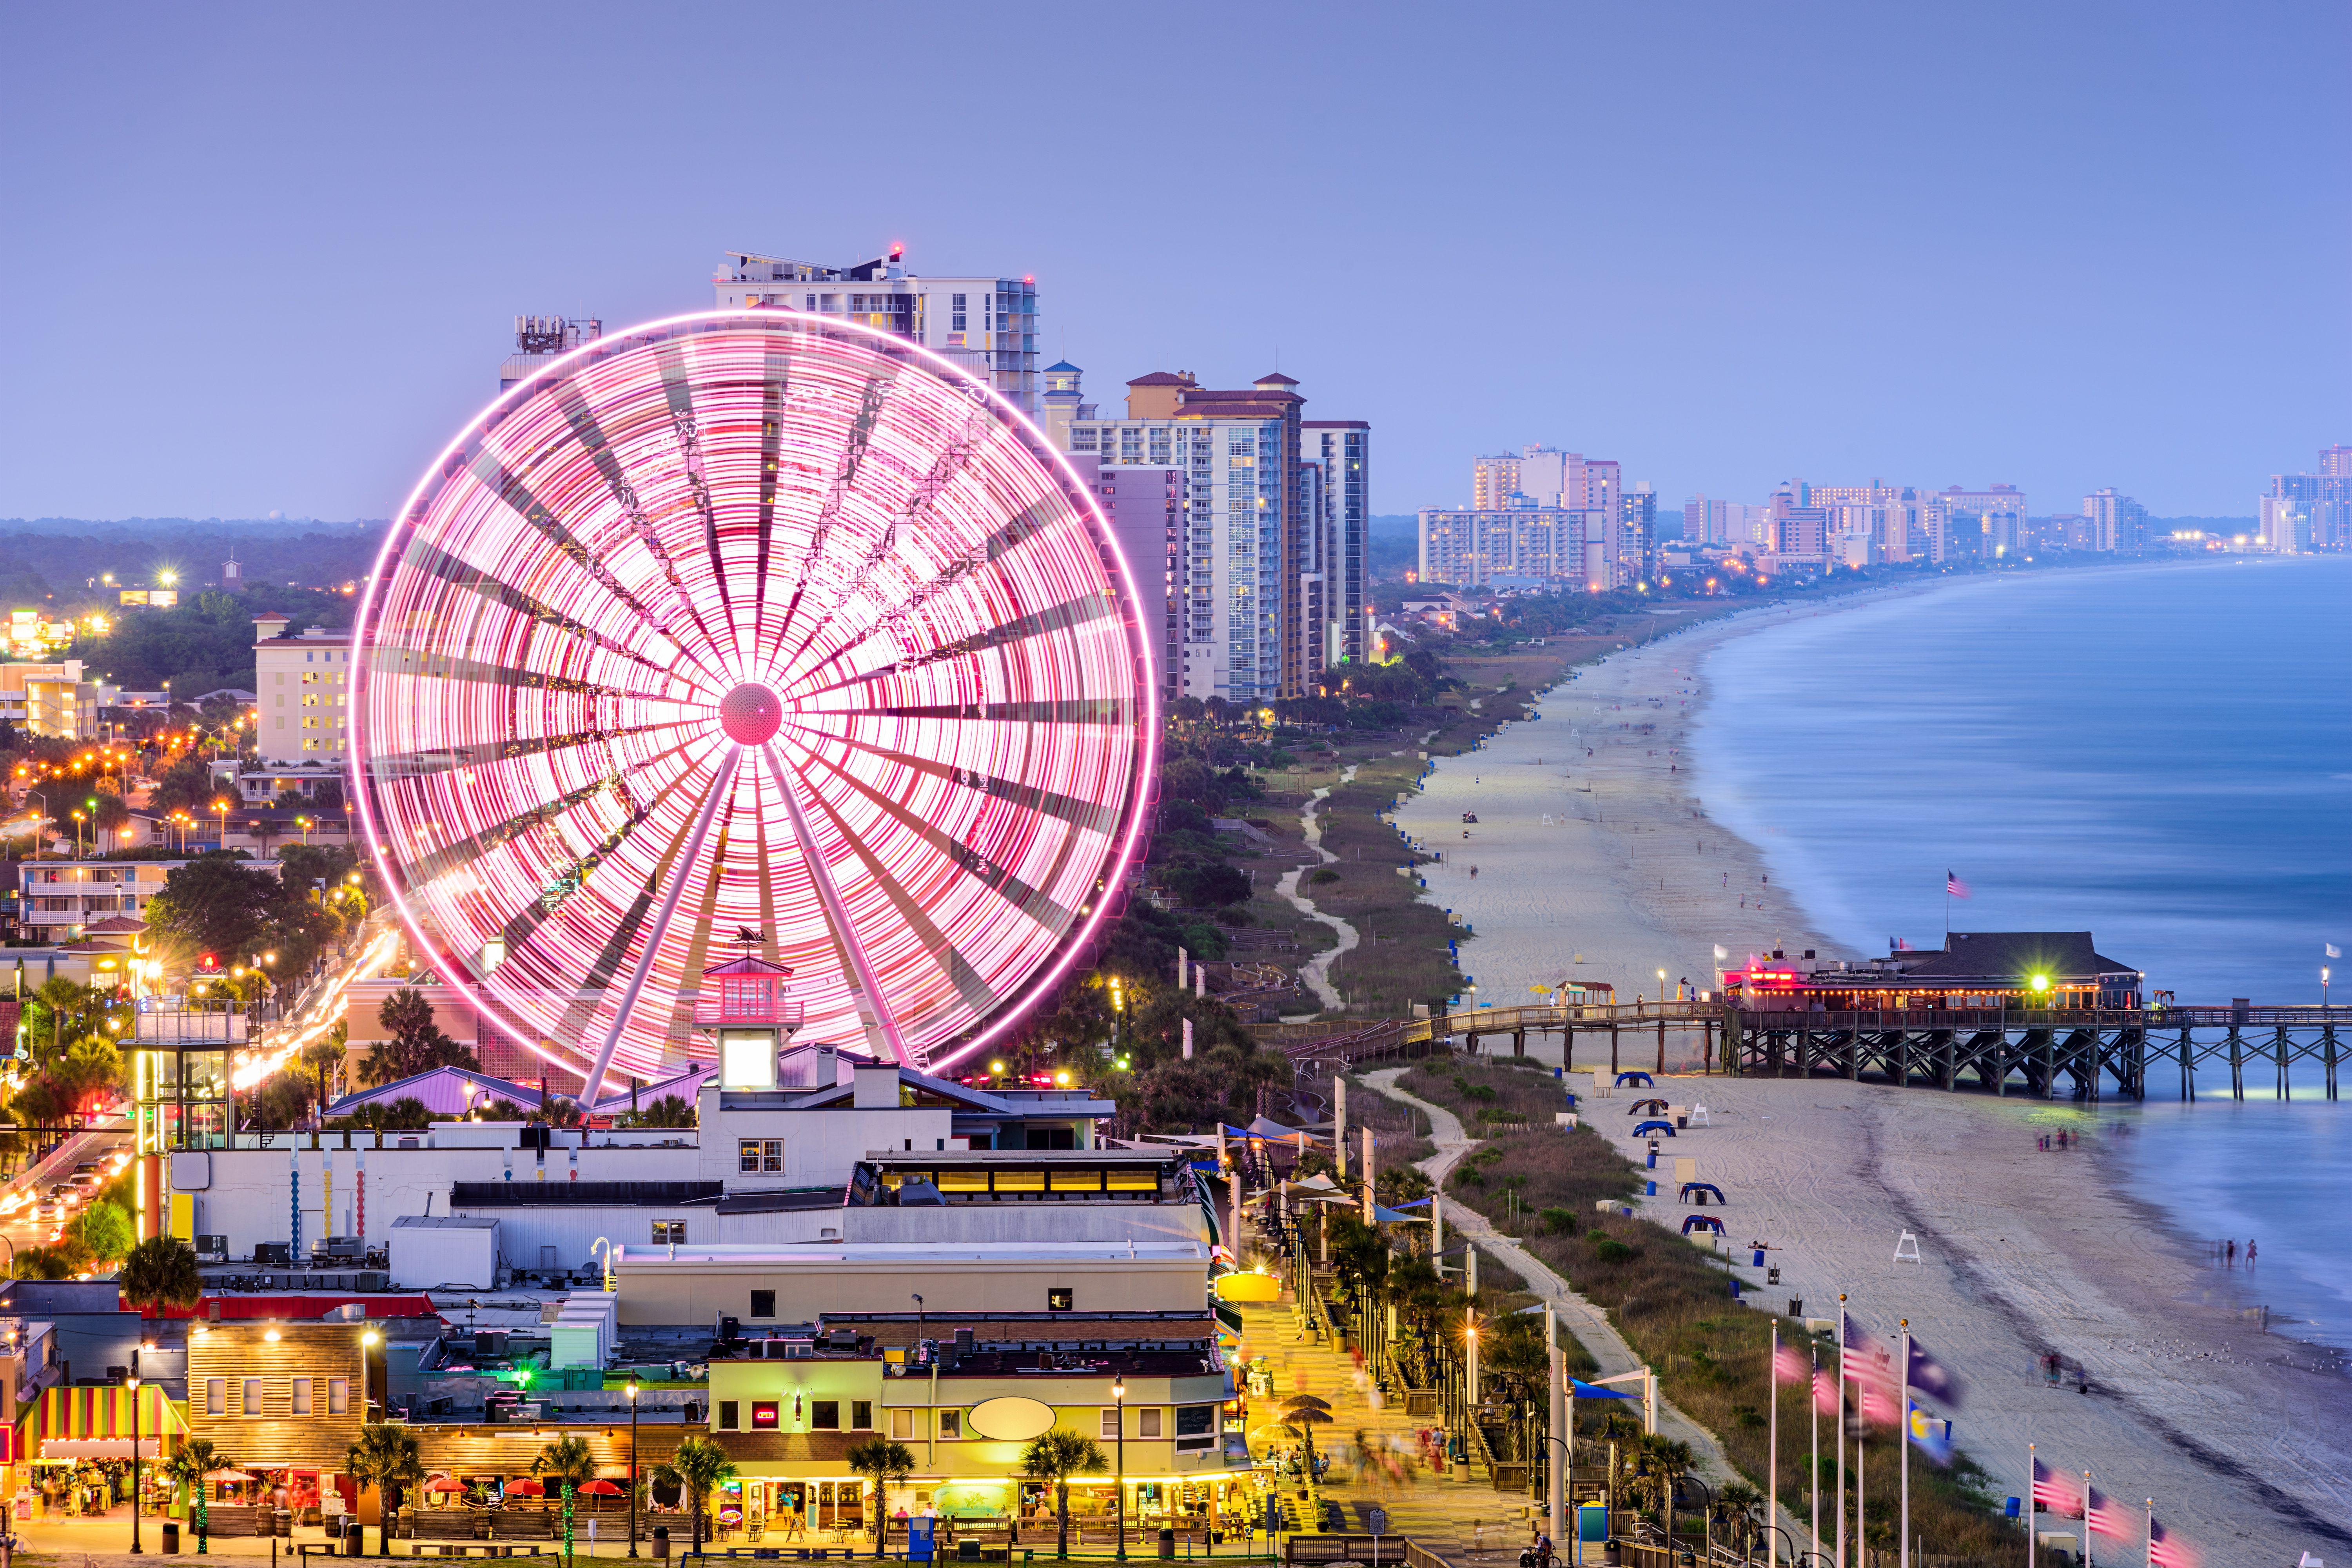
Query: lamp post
x=1118, y=1411
x=220, y=808
x=632, y=1467
x=135, y=1547
x=369, y=1339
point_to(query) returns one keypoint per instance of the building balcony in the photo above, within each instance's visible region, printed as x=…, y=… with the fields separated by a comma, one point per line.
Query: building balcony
x=784, y=1013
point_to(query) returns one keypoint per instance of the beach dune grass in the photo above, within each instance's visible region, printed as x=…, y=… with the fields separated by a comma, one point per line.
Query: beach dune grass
x=1672, y=1304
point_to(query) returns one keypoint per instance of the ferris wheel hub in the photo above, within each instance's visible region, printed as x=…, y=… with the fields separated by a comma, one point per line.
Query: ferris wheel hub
x=750, y=714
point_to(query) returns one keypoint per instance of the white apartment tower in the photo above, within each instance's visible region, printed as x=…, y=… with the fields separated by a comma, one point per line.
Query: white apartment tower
x=1267, y=582
x=304, y=682
x=988, y=325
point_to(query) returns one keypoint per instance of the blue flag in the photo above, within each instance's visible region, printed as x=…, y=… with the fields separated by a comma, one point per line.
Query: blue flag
x=1933, y=1435
x=1933, y=1378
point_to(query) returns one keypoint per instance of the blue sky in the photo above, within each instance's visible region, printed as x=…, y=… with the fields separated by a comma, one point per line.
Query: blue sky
x=261, y=258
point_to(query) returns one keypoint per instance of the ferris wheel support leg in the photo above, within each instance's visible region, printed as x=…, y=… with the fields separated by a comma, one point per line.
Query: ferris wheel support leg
x=595, y=1085
x=881, y=1030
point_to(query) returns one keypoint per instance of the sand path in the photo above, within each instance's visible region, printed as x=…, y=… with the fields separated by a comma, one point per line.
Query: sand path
x=1317, y=971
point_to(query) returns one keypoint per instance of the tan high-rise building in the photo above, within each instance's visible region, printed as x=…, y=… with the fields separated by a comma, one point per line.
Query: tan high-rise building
x=304, y=682
x=1492, y=482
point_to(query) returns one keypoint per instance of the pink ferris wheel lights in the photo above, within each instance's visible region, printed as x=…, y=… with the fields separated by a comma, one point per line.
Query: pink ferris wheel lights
x=758, y=621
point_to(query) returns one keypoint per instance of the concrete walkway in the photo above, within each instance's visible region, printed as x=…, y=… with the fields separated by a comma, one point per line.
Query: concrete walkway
x=1317, y=971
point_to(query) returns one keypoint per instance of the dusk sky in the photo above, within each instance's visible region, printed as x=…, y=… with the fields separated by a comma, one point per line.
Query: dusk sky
x=267, y=258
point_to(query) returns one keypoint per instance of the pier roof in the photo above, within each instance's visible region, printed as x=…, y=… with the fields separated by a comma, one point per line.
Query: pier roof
x=2014, y=955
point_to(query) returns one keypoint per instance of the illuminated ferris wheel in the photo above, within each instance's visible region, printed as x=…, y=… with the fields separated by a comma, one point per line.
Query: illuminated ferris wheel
x=750, y=622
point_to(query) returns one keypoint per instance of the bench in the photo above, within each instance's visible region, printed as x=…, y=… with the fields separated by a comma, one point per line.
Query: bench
x=485, y=1548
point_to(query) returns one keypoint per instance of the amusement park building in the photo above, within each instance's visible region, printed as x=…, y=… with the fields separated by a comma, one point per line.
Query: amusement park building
x=987, y=325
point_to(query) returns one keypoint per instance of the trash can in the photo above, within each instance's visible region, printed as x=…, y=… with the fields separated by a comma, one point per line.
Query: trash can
x=170, y=1538
x=968, y=1549
x=1167, y=1546
x=661, y=1540
x=1682, y=1123
x=283, y=1523
x=1651, y=1185
x=1653, y=1159
x=1759, y=1259
x=353, y=1539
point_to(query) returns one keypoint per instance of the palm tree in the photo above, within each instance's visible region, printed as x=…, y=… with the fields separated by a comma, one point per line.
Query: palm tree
x=325, y=1055
x=571, y=1462
x=1055, y=1457
x=1739, y=1506
x=883, y=1461
x=699, y=1465
x=386, y=1455
x=161, y=1272
x=196, y=1459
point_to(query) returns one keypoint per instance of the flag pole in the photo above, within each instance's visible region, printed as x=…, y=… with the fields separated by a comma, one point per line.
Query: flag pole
x=2087, y=1519
x=1841, y=1433
x=2151, y=1532
x=1814, y=1476
x=1772, y=1470
x=2031, y=1466
x=1903, y=1441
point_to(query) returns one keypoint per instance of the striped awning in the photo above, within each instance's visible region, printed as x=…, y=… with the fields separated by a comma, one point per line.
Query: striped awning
x=72, y=1415
x=99, y=1447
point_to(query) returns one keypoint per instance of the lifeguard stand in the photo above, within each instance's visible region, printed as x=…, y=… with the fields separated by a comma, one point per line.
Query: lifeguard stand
x=747, y=1002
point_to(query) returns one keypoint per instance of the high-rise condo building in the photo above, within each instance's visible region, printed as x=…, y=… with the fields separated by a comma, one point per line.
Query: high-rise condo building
x=1981, y=518
x=2117, y=522
x=1268, y=581
x=987, y=325
x=1545, y=476
x=540, y=340
x=1492, y=482
x=2310, y=512
x=304, y=680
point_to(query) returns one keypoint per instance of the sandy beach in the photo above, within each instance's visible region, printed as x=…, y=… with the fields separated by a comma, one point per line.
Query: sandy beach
x=1593, y=858
x=2239, y=1436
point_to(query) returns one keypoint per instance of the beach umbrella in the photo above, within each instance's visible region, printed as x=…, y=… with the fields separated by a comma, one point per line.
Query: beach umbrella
x=525, y=1487
x=443, y=1484
x=601, y=1488
x=1307, y=1402
x=229, y=1478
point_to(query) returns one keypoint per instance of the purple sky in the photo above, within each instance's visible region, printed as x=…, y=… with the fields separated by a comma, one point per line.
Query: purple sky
x=260, y=258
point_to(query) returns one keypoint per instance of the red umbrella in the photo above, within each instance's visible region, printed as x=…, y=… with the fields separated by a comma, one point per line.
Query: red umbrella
x=443, y=1484
x=602, y=1489
x=526, y=1487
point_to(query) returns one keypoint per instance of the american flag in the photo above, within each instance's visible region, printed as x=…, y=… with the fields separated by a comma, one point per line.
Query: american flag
x=1825, y=1394
x=2107, y=1519
x=2057, y=1493
x=1955, y=886
x=1869, y=1367
x=1789, y=1365
x=2166, y=1550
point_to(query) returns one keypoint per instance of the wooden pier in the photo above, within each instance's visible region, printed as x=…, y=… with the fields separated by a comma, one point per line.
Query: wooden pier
x=2043, y=1053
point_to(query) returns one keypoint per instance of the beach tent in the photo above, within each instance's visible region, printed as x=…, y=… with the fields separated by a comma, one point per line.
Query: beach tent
x=1580, y=1389
x=1647, y=1127
x=1391, y=1217
x=1702, y=1189
x=1630, y=1076
x=1702, y=1222
x=1266, y=1127
x=1646, y=1108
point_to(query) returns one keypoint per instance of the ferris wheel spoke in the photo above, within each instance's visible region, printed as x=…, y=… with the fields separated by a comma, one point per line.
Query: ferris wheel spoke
x=1089, y=816
x=873, y=1007
x=855, y=440
x=435, y=562
x=426, y=763
x=969, y=860
x=677, y=387
x=510, y=489
x=423, y=664
x=1054, y=621
x=719, y=789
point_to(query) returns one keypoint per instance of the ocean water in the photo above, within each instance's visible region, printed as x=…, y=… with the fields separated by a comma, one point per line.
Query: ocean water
x=2161, y=755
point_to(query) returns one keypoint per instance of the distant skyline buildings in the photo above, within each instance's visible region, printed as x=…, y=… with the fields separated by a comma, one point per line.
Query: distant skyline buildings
x=2309, y=512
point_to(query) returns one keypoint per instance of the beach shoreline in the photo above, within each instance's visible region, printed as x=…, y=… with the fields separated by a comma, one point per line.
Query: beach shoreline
x=1593, y=858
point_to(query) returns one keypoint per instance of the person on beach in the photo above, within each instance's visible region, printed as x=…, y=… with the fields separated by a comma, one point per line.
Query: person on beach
x=2250, y=1254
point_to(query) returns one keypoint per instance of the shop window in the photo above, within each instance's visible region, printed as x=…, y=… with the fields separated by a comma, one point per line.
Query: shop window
x=338, y=1396
x=727, y=1410
x=669, y=1233
x=215, y=1396
x=824, y=1414
x=1110, y=1422
x=951, y=1424
x=763, y=1303
x=1196, y=1428
x=1146, y=1423
x=861, y=1414
x=1061, y=1299
x=763, y=1416
x=301, y=1404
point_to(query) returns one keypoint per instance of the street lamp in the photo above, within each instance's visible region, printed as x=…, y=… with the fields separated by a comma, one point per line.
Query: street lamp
x=369, y=1340
x=1118, y=1411
x=221, y=807
x=133, y=1380
x=632, y=1467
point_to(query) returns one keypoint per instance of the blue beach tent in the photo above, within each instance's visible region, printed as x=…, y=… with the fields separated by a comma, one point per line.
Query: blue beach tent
x=1631, y=1077
x=1703, y=1188
x=1701, y=1222
x=1665, y=1127
x=1580, y=1389
x=1646, y=1107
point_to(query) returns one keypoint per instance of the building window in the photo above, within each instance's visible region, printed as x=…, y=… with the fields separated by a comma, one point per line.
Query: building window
x=763, y=1416
x=861, y=1414
x=1146, y=1423
x=1110, y=1422
x=1061, y=1299
x=1195, y=1428
x=215, y=1396
x=824, y=1414
x=763, y=1303
x=902, y=1423
x=951, y=1424
x=300, y=1403
x=252, y=1406
x=955, y=312
x=338, y=1396
x=760, y=1156
x=669, y=1233
x=727, y=1413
